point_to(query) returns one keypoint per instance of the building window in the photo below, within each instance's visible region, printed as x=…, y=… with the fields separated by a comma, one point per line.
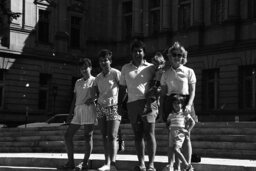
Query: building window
x=1, y=87
x=154, y=17
x=247, y=88
x=127, y=19
x=251, y=9
x=4, y=41
x=217, y=11
x=210, y=83
x=44, y=89
x=43, y=26
x=184, y=14
x=75, y=32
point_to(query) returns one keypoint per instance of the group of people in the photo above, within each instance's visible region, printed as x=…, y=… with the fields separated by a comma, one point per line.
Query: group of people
x=154, y=89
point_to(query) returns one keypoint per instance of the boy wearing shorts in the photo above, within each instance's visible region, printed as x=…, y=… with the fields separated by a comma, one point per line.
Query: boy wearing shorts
x=107, y=87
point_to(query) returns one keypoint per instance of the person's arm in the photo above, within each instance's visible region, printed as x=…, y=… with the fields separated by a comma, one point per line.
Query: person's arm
x=121, y=96
x=162, y=99
x=94, y=95
x=191, y=124
x=192, y=91
x=71, y=111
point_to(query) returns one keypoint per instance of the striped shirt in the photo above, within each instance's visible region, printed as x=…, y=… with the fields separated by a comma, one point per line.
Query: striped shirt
x=178, y=120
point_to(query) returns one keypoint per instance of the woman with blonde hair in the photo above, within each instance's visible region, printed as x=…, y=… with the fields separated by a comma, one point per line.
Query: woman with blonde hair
x=178, y=80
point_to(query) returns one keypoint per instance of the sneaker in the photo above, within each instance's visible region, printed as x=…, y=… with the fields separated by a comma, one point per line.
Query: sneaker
x=104, y=168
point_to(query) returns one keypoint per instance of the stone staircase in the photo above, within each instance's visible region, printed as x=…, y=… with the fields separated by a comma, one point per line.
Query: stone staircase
x=214, y=140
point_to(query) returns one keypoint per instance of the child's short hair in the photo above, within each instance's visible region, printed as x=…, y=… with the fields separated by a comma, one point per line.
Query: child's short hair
x=85, y=61
x=105, y=53
x=138, y=44
x=158, y=58
x=178, y=98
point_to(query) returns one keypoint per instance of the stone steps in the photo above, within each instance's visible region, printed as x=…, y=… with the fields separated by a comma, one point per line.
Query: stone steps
x=232, y=140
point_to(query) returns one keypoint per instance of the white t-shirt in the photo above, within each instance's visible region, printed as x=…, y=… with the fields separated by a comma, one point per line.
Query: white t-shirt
x=137, y=79
x=108, y=87
x=83, y=90
x=178, y=80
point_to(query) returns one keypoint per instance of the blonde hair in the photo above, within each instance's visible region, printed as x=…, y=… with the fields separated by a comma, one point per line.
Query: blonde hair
x=178, y=47
x=158, y=58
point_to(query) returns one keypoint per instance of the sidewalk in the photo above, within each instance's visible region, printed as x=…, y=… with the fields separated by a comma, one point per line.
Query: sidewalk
x=50, y=161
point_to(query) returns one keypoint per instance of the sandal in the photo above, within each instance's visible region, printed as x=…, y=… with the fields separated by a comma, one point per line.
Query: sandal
x=81, y=166
x=190, y=168
x=151, y=169
x=139, y=168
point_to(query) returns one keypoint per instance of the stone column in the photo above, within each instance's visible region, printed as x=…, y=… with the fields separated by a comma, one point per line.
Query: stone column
x=233, y=9
x=137, y=17
x=197, y=12
x=166, y=14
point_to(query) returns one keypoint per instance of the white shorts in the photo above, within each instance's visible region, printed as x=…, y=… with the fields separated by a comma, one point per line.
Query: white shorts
x=84, y=114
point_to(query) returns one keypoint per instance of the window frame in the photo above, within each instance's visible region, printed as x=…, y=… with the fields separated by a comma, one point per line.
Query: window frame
x=154, y=10
x=127, y=29
x=183, y=24
x=205, y=88
x=45, y=87
x=43, y=22
x=243, y=89
x=217, y=11
x=80, y=28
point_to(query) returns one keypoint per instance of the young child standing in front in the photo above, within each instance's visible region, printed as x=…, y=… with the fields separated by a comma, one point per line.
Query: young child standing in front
x=153, y=93
x=180, y=124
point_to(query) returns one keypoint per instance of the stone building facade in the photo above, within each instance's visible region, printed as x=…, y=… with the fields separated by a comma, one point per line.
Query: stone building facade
x=43, y=45
x=38, y=58
x=220, y=36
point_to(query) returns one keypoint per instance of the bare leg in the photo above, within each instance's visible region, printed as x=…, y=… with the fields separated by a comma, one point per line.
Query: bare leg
x=88, y=133
x=72, y=129
x=113, y=127
x=180, y=156
x=103, y=127
x=149, y=129
x=176, y=163
x=139, y=143
x=187, y=150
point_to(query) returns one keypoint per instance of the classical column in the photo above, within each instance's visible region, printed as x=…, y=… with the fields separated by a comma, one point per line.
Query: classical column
x=166, y=14
x=197, y=12
x=137, y=17
x=233, y=9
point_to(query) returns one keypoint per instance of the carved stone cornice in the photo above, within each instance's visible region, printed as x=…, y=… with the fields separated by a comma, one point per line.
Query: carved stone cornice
x=50, y=3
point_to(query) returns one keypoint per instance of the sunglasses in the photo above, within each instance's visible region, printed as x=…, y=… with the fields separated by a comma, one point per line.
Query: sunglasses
x=175, y=55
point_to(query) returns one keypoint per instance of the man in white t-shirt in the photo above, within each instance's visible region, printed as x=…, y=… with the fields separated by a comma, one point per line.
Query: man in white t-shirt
x=136, y=77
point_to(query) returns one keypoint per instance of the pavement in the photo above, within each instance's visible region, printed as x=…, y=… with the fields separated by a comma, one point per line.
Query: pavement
x=51, y=161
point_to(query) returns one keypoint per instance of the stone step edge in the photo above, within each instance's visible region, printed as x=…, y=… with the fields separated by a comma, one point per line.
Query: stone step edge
x=127, y=157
